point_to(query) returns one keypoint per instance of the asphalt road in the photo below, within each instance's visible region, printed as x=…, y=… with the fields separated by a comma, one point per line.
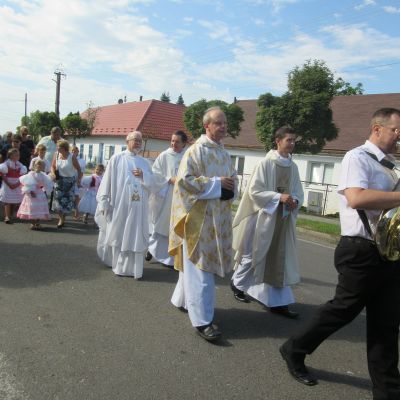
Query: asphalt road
x=72, y=330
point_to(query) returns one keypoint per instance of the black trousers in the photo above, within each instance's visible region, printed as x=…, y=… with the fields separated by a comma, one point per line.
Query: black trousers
x=365, y=280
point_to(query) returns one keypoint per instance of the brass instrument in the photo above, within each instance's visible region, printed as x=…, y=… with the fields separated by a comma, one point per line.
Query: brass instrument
x=387, y=236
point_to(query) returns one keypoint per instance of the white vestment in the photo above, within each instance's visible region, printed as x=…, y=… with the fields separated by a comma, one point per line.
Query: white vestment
x=201, y=227
x=254, y=227
x=122, y=214
x=165, y=167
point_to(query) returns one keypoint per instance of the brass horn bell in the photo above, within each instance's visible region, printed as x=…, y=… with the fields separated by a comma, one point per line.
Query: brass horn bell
x=387, y=236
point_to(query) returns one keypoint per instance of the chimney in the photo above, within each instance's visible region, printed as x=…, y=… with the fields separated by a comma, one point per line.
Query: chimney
x=120, y=101
x=125, y=99
x=140, y=98
x=234, y=100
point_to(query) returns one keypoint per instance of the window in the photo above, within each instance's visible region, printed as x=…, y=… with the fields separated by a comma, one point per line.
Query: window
x=90, y=155
x=81, y=151
x=321, y=173
x=123, y=148
x=109, y=152
x=238, y=163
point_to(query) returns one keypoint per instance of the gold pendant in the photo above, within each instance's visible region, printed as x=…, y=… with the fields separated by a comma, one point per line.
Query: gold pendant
x=135, y=196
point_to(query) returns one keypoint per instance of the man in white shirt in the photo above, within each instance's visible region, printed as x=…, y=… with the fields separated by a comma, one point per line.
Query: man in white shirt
x=366, y=279
x=165, y=168
x=51, y=142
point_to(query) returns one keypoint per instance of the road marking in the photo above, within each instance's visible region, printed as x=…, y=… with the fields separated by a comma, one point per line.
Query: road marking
x=318, y=244
x=9, y=388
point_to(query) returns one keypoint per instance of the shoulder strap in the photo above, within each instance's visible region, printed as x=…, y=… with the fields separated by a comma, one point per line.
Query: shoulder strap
x=364, y=220
x=361, y=213
x=385, y=163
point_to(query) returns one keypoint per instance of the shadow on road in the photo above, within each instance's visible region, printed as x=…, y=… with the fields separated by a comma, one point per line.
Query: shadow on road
x=239, y=323
x=343, y=379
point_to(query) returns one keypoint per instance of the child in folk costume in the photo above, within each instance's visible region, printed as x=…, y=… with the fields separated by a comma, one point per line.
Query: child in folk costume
x=88, y=202
x=10, y=192
x=34, y=205
x=41, y=154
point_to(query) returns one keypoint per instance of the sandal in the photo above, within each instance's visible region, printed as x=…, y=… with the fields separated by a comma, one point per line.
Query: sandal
x=7, y=220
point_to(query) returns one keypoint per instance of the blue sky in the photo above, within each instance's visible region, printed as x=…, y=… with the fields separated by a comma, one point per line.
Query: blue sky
x=200, y=49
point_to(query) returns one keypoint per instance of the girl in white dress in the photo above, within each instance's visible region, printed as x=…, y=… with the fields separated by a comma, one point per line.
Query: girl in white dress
x=34, y=205
x=90, y=185
x=10, y=192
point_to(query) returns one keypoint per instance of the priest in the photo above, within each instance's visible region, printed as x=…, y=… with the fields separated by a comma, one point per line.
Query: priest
x=122, y=211
x=264, y=230
x=165, y=168
x=201, y=227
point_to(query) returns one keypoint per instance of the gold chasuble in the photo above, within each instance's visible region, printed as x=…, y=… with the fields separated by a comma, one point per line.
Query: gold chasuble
x=205, y=225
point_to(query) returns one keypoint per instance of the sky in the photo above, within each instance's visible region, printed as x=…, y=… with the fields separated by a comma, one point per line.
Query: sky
x=201, y=49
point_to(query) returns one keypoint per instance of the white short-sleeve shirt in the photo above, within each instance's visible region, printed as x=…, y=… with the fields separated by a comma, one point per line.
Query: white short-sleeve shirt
x=359, y=170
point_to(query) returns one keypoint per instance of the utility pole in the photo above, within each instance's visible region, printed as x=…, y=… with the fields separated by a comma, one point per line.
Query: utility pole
x=58, y=73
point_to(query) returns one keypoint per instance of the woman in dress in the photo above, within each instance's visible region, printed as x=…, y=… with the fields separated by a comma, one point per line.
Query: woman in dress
x=78, y=191
x=34, y=205
x=66, y=172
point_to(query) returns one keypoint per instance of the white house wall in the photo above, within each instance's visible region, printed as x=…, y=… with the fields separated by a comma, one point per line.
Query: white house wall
x=329, y=205
x=329, y=199
x=100, y=145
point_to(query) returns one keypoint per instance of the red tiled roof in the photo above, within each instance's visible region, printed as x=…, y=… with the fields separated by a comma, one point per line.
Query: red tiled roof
x=155, y=119
x=247, y=137
x=162, y=119
x=352, y=116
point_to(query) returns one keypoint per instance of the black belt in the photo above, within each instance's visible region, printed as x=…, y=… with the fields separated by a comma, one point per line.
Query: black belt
x=357, y=240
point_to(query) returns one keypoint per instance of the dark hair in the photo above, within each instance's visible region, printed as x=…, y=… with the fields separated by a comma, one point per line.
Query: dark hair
x=383, y=114
x=16, y=138
x=282, y=131
x=182, y=135
x=56, y=129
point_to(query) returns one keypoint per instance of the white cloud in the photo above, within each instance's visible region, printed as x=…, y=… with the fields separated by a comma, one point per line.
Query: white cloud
x=364, y=4
x=342, y=47
x=276, y=5
x=217, y=30
x=392, y=10
x=87, y=38
x=258, y=21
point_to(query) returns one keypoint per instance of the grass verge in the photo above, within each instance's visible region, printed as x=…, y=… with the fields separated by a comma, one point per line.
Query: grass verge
x=317, y=226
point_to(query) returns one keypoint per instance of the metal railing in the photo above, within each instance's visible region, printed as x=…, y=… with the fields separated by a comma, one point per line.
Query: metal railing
x=323, y=204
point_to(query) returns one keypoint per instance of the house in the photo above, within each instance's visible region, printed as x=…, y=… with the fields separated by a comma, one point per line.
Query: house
x=320, y=172
x=157, y=120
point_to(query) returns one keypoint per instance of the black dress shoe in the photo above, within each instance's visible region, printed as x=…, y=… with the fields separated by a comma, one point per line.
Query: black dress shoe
x=296, y=368
x=284, y=311
x=208, y=332
x=238, y=294
x=148, y=256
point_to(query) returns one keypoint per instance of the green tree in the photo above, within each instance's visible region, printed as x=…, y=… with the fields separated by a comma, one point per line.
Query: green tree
x=180, y=100
x=40, y=123
x=345, y=89
x=305, y=107
x=75, y=126
x=165, y=97
x=193, y=117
